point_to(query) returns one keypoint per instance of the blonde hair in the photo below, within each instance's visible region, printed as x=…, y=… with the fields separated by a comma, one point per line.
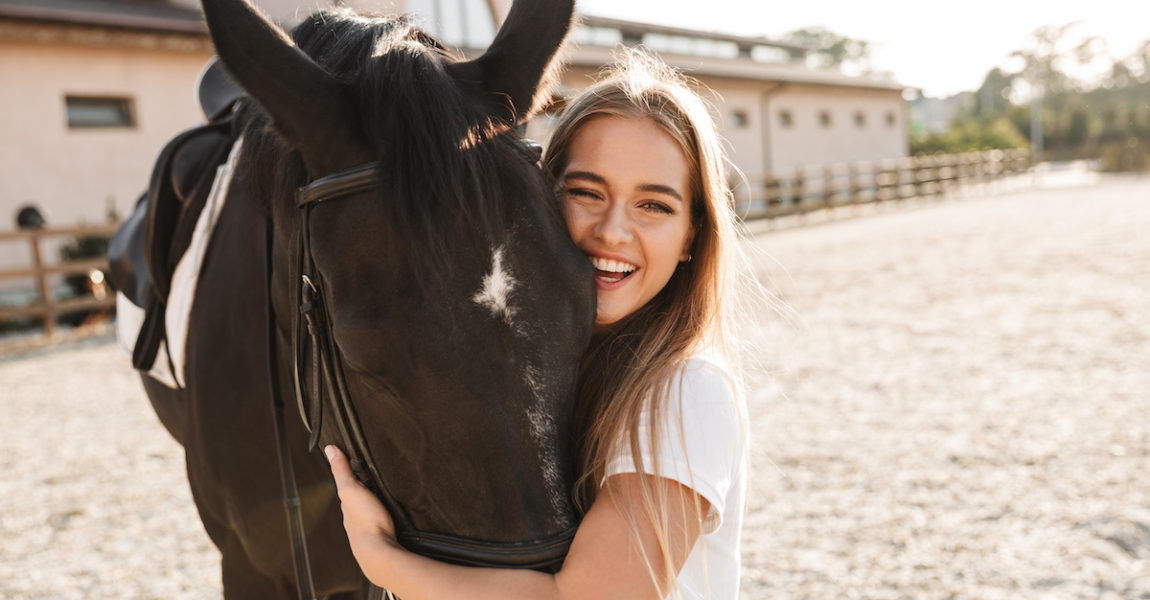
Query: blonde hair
x=629, y=368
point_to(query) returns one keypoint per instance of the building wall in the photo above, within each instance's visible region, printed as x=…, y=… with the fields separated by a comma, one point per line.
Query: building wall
x=740, y=122
x=809, y=141
x=76, y=175
x=290, y=12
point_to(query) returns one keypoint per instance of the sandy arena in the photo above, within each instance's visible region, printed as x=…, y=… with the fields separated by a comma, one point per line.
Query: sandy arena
x=956, y=404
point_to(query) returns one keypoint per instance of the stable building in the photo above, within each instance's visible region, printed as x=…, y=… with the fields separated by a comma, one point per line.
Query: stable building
x=776, y=114
x=94, y=88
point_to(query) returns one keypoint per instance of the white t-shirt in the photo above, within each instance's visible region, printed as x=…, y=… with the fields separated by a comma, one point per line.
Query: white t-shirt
x=706, y=453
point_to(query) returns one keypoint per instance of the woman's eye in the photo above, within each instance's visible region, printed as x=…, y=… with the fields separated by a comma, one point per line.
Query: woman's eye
x=658, y=207
x=581, y=193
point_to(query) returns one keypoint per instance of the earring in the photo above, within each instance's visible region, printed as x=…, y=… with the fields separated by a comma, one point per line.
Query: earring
x=689, y=257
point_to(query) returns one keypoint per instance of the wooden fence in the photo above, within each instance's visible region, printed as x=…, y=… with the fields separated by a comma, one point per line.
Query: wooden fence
x=47, y=308
x=783, y=193
x=805, y=190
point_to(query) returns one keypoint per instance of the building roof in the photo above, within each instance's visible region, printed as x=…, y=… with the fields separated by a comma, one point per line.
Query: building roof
x=635, y=29
x=740, y=68
x=147, y=15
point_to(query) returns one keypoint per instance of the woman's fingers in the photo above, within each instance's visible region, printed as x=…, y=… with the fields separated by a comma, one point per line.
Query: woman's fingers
x=363, y=513
x=370, y=531
x=341, y=470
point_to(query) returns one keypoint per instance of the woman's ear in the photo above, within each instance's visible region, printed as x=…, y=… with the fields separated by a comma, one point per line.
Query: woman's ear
x=685, y=256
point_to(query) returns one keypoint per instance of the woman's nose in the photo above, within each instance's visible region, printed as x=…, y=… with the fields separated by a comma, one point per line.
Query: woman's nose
x=614, y=227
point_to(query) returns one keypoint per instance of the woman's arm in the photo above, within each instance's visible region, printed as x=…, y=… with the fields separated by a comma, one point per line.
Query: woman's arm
x=604, y=561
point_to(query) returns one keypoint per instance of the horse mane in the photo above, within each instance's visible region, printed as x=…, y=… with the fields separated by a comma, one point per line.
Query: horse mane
x=450, y=177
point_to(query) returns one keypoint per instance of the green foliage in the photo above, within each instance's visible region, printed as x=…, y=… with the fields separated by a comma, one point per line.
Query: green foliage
x=1108, y=119
x=969, y=136
x=993, y=97
x=90, y=246
x=829, y=49
x=87, y=246
x=1129, y=155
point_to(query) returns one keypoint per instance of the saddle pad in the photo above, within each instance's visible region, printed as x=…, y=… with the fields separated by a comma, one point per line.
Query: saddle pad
x=169, y=365
x=129, y=320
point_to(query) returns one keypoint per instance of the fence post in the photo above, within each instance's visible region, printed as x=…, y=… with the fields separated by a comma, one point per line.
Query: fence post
x=771, y=194
x=800, y=191
x=830, y=191
x=46, y=295
x=854, y=186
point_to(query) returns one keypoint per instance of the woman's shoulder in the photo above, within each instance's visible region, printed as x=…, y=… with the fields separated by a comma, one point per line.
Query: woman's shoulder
x=707, y=377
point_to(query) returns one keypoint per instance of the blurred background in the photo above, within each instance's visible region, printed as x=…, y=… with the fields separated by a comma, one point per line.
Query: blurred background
x=92, y=89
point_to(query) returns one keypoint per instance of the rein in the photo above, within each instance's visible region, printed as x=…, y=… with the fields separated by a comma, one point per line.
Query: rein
x=326, y=374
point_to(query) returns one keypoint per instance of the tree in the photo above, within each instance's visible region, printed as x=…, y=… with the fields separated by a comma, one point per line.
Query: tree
x=993, y=97
x=1108, y=118
x=1133, y=68
x=831, y=50
x=1045, y=62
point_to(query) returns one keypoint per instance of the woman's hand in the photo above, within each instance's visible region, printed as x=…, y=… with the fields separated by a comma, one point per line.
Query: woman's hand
x=370, y=529
x=602, y=563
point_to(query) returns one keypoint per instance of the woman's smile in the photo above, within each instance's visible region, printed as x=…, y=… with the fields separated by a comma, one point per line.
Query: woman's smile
x=609, y=272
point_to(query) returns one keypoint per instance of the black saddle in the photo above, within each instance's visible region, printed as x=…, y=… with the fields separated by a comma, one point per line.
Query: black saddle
x=144, y=251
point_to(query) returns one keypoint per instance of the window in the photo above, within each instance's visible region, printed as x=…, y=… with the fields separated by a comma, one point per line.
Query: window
x=597, y=36
x=99, y=112
x=860, y=119
x=740, y=119
x=825, y=119
x=461, y=23
x=891, y=120
x=770, y=55
x=786, y=120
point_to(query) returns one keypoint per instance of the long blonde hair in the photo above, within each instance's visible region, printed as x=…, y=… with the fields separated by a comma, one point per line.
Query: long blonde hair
x=630, y=367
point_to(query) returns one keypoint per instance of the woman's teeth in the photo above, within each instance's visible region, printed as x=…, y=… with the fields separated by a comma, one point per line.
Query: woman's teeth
x=612, y=266
x=610, y=271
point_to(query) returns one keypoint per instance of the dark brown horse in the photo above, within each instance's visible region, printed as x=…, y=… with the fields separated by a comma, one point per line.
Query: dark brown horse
x=458, y=306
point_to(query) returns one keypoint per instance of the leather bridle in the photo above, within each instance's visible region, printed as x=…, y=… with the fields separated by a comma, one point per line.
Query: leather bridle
x=326, y=371
x=324, y=378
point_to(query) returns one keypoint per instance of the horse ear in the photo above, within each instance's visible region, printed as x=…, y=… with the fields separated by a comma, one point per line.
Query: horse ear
x=514, y=68
x=307, y=104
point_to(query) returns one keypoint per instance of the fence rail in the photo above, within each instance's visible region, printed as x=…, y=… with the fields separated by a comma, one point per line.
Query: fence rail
x=783, y=193
x=47, y=307
x=803, y=190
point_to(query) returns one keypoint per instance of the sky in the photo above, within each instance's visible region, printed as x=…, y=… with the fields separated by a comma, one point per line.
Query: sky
x=940, y=48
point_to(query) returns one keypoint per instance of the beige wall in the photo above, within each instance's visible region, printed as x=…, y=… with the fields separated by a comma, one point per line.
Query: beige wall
x=808, y=143
x=290, y=12
x=77, y=174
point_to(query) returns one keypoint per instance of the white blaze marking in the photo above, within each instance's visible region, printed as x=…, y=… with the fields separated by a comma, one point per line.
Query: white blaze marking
x=497, y=288
x=543, y=430
x=495, y=295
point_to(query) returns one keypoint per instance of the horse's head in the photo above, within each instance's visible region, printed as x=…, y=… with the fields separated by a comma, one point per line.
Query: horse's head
x=458, y=305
